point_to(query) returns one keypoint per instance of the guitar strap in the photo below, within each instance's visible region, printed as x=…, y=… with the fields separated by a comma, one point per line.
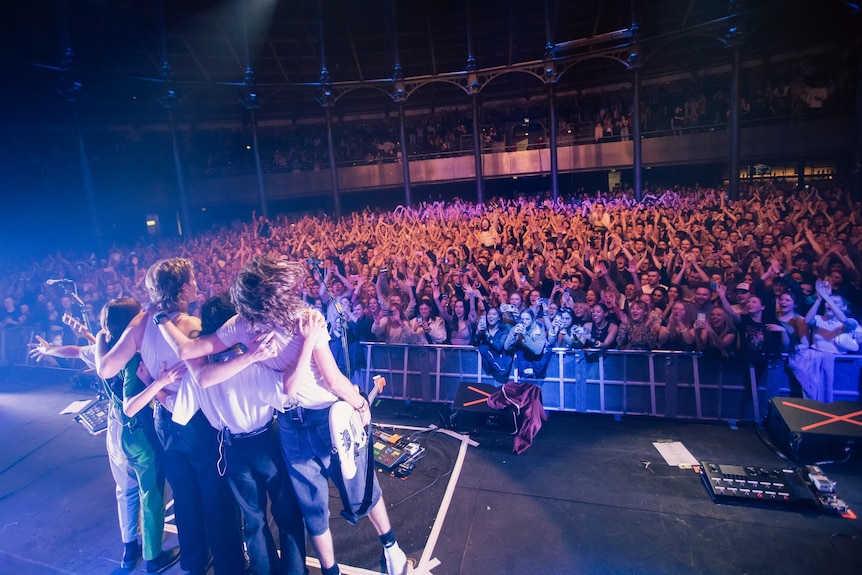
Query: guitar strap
x=369, y=475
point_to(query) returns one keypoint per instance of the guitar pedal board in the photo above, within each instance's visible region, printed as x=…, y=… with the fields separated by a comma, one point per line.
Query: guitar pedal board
x=806, y=486
x=392, y=451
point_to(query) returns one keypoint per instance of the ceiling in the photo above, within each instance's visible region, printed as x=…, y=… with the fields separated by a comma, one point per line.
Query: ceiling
x=120, y=46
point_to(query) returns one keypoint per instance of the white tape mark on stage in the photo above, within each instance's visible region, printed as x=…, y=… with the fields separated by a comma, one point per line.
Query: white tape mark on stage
x=426, y=561
x=348, y=570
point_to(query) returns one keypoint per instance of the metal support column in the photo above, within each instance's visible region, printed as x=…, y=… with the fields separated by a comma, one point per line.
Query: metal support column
x=637, y=153
x=733, y=128
x=405, y=163
x=477, y=152
x=333, y=168
x=552, y=105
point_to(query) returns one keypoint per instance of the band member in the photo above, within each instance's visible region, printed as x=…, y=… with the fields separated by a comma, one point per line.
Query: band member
x=133, y=449
x=238, y=396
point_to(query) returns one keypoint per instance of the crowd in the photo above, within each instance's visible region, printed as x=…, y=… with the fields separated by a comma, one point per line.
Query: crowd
x=685, y=269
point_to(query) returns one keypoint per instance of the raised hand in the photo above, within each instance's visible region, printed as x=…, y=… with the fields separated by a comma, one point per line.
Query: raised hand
x=40, y=349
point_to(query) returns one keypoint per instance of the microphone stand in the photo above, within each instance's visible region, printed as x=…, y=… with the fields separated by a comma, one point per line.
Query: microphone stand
x=343, y=316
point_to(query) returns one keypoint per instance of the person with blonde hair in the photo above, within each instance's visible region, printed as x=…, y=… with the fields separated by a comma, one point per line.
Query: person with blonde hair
x=832, y=333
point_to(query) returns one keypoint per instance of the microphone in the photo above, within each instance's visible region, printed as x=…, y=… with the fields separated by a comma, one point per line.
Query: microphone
x=58, y=281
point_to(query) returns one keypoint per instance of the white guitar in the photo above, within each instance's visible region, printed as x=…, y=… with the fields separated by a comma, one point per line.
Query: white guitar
x=348, y=433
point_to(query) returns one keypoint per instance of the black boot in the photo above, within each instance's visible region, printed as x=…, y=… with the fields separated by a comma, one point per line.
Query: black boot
x=165, y=559
x=131, y=555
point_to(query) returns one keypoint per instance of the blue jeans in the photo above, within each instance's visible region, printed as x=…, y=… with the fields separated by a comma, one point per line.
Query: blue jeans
x=256, y=469
x=307, y=447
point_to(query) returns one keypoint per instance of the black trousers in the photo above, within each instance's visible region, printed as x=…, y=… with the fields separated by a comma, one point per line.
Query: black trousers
x=255, y=469
x=206, y=514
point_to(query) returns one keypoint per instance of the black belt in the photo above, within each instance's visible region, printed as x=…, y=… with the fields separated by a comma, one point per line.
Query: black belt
x=230, y=437
x=297, y=415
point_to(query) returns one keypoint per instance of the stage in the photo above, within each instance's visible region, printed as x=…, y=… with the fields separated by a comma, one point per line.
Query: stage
x=591, y=496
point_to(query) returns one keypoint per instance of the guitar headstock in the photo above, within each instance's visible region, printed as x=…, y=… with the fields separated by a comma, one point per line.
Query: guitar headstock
x=75, y=325
x=78, y=328
x=379, y=383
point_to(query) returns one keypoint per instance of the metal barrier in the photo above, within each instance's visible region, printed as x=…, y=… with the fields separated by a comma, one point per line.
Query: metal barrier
x=13, y=345
x=659, y=383
x=14, y=350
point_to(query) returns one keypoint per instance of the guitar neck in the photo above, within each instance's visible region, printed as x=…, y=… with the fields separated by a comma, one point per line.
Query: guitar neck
x=373, y=395
x=379, y=384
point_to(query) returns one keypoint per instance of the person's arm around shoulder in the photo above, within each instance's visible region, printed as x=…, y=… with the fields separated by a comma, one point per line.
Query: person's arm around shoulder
x=339, y=385
x=208, y=374
x=311, y=327
x=176, y=332
x=110, y=362
x=132, y=405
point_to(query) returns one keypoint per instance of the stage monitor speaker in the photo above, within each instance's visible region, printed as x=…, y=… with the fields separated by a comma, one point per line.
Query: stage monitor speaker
x=809, y=431
x=473, y=397
x=470, y=409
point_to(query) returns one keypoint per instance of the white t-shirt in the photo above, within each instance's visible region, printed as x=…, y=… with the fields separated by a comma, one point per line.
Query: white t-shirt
x=241, y=403
x=313, y=391
x=157, y=354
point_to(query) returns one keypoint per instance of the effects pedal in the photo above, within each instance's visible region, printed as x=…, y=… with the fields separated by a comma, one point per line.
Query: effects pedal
x=389, y=449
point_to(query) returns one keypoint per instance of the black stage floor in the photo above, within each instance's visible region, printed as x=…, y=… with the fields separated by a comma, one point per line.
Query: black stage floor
x=591, y=496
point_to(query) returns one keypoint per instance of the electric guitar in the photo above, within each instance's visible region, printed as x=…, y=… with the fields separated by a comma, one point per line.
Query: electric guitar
x=349, y=436
x=78, y=328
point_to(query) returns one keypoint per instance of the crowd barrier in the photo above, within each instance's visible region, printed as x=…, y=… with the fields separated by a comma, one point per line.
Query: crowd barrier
x=14, y=349
x=659, y=383
x=13, y=344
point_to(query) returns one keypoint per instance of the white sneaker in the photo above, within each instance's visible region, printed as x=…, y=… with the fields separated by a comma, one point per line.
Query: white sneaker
x=396, y=560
